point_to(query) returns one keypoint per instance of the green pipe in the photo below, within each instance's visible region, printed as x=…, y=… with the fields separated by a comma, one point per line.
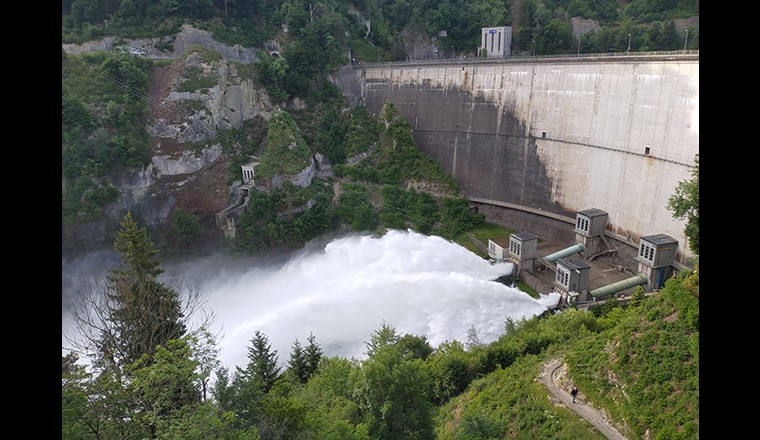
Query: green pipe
x=610, y=289
x=565, y=252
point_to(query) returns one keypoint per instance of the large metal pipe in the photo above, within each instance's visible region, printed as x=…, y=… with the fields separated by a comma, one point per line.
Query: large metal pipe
x=613, y=288
x=565, y=252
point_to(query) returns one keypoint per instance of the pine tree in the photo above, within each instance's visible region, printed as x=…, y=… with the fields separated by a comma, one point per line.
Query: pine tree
x=262, y=361
x=473, y=340
x=136, y=249
x=313, y=356
x=144, y=312
x=297, y=364
x=133, y=328
x=386, y=335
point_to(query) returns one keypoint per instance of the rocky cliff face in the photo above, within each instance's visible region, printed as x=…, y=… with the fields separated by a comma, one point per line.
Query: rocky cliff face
x=189, y=168
x=180, y=44
x=191, y=116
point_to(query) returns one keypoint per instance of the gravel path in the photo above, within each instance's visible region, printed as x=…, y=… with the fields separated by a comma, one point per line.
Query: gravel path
x=549, y=375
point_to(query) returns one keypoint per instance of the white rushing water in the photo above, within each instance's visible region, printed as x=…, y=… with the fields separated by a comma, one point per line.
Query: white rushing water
x=342, y=292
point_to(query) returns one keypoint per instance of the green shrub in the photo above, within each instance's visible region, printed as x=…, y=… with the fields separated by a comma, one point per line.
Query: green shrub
x=355, y=208
x=196, y=80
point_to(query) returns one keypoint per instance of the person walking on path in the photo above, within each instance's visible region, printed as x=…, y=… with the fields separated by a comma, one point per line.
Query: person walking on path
x=574, y=392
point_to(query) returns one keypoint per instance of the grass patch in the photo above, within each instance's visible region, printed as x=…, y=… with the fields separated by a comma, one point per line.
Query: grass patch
x=466, y=243
x=490, y=231
x=246, y=71
x=162, y=63
x=196, y=80
x=365, y=51
x=207, y=55
x=510, y=403
x=483, y=233
x=520, y=284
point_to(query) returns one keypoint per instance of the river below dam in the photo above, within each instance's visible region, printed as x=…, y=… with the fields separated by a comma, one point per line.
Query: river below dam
x=340, y=290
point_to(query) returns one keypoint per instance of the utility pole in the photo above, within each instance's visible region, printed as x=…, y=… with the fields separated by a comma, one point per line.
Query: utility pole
x=579, y=44
x=685, y=39
x=627, y=51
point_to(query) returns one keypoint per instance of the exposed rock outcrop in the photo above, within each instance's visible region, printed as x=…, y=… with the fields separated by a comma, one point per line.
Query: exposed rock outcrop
x=187, y=162
x=186, y=39
x=345, y=80
x=194, y=116
x=189, y=168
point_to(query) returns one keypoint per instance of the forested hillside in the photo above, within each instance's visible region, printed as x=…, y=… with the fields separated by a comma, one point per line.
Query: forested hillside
x=639, y=362
x=373, y=28
x=109, y=98
x=129, y=122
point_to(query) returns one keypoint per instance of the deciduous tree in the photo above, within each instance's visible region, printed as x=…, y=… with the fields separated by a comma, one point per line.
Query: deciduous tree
x=394, y=394
x=684, y=204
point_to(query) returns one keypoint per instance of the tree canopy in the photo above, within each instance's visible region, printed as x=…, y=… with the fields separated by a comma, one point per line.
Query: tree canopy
x=684, y=204
x=145, y=312
x=147, y=368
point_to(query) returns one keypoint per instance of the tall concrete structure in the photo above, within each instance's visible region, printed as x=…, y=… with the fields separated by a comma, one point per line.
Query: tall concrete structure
x=532, y=142
x=497, y=41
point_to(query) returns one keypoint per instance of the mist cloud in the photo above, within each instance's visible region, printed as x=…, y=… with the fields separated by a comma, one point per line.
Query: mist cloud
x=343, y=291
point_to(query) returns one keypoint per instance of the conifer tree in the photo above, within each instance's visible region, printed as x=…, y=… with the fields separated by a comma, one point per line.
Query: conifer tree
x=133, y=327
x=382, y=337
x=262, y=361
x=144, y=312
x=637, y=297
x=297, y=364
x=313, y=356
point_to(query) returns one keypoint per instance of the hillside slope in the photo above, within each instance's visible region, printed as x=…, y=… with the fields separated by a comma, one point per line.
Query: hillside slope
x=195, y=108
x=637, y=366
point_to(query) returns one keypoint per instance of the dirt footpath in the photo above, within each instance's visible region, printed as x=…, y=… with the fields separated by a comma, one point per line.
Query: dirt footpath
x=552, y=376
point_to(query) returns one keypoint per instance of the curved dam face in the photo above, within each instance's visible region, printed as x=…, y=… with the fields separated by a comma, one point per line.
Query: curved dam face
x=548, y=138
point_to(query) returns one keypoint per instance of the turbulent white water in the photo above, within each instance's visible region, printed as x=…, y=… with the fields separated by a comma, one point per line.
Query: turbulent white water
x=342, y=292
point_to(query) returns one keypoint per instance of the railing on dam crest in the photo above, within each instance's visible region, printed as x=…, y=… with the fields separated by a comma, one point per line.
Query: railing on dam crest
x=678, y=55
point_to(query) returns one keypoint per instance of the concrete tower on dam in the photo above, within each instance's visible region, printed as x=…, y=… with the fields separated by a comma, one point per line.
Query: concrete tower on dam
x=533, y=141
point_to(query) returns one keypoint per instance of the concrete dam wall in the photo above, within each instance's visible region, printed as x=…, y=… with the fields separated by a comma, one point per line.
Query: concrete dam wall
x=545, y=138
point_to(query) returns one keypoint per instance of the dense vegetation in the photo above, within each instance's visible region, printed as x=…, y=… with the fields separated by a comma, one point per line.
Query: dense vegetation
x=684, y=204
x=149, y=374
x=372, y=190
x=102, y=128
x=104, y=94
x=640, y=363
x=323, y=31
